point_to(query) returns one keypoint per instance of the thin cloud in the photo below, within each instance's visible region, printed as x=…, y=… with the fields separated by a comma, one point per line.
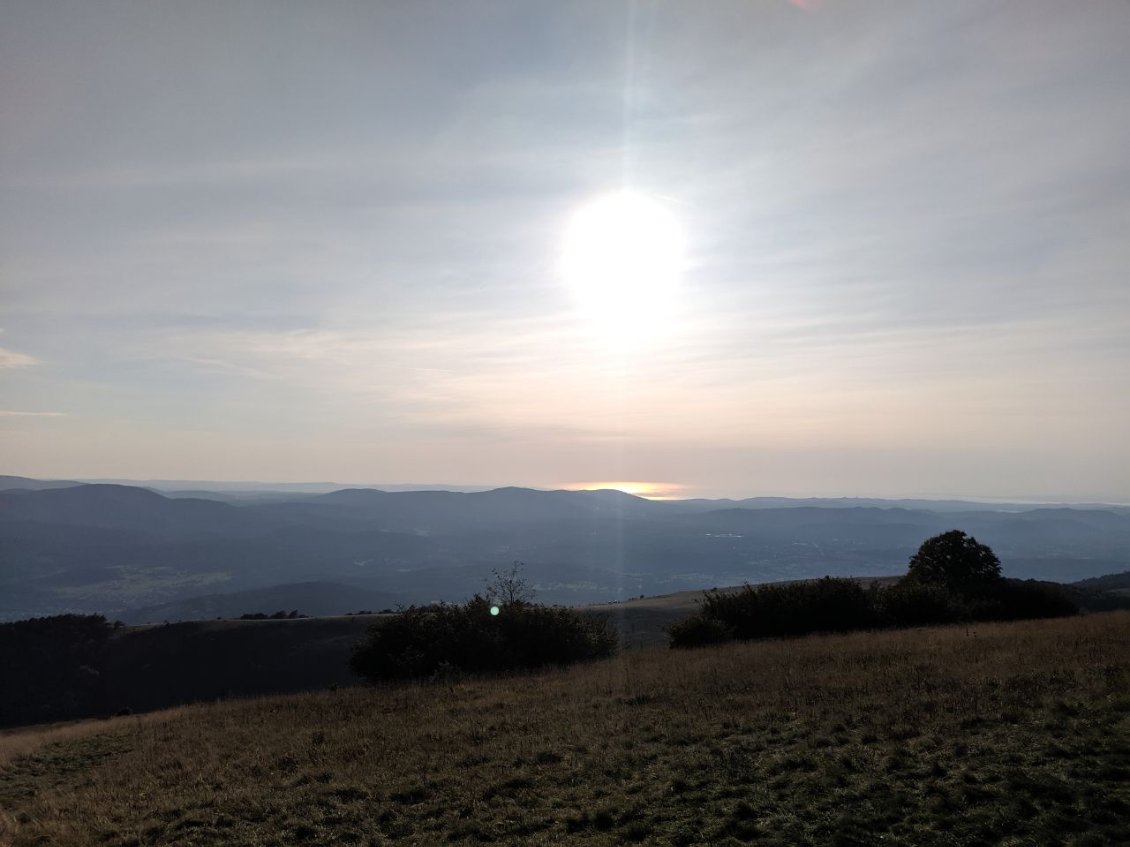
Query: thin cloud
x=11, y=413
x=12, y=359
x=218, y=365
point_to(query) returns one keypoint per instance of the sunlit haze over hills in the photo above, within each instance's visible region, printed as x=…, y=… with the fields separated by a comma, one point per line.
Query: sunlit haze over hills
x=724, y=249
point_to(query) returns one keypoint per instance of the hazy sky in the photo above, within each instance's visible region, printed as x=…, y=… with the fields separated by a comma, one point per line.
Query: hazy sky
x=322, y=241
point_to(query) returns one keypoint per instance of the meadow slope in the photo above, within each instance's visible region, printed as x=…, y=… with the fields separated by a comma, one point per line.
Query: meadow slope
x=1013, y=734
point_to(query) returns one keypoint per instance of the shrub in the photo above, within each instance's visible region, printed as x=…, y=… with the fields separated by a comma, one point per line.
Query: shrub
x=824, y=605
x=840, y=605
x=698, y=631
x=422, y=641
x=1013, y=600
x=909, y=603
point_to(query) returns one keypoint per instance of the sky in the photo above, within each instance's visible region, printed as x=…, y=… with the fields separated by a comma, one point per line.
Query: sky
x=292, y=241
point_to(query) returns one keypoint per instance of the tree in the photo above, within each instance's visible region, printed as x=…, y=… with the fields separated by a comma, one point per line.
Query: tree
x=509, y=586
x=956, y=561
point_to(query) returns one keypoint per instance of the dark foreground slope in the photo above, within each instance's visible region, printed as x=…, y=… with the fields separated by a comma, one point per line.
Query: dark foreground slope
x=96, y=671
x=140, y=668
x=997, y=733
x=153, y=667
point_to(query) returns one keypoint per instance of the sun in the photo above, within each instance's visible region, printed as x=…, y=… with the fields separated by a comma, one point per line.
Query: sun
x=648, y=490
x=622, y=257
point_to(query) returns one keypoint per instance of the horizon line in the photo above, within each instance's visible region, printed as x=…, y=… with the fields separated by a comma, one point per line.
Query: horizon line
x=621, y=486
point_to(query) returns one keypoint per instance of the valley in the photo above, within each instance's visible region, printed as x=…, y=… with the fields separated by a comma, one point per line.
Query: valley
x=140, y=556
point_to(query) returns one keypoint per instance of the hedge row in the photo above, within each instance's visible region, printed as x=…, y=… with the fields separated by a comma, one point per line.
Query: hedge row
x=842, y=605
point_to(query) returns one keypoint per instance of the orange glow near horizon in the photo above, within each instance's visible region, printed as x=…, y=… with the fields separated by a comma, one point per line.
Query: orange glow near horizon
x=650, y=490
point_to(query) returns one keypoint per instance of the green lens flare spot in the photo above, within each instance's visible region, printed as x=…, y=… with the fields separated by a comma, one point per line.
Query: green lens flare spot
x=494, y=610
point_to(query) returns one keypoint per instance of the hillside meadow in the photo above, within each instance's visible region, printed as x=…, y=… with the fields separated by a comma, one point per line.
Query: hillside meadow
x=1011, y=734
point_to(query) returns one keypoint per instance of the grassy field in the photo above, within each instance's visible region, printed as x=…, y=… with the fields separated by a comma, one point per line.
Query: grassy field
x=1012, y=734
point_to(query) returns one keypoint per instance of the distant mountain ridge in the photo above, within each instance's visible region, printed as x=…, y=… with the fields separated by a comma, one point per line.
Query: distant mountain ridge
x=120, y=507
x=320, y=599
x=111, y=548
x=8, y=483
x=1115, y=583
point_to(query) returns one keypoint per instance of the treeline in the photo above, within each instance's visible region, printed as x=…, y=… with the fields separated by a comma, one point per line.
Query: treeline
x=277, y=616
x=951, y=579
x=479, y=636
x=51, y=667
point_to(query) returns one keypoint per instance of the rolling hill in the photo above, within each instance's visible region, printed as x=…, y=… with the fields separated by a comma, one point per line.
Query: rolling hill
x=315, y=599
x=110, y=548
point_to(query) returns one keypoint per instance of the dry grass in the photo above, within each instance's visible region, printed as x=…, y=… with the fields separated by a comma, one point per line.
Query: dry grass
x=994, y=734
x=16, y=743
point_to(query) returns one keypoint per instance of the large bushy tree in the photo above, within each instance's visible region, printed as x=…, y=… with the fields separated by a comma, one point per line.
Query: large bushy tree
x=479, y=636
x=955, y=561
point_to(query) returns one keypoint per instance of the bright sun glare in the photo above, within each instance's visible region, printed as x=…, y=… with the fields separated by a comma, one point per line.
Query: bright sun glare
x=650, y=490
x=622, y=257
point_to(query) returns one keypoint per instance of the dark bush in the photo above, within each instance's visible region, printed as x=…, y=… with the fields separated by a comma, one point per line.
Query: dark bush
x=764, y=611
x=698, y=631
x=825, y=605
x=908, y=603
x=52, y=667
x=1014, y=600
x=841, y=605
x=280, y=615
x=422, y=641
